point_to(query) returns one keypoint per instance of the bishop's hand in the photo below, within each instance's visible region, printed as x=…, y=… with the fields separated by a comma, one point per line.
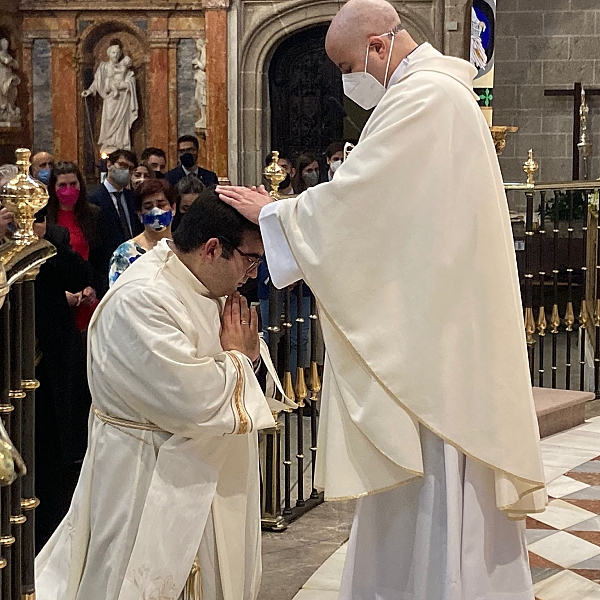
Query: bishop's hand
x=248, y=202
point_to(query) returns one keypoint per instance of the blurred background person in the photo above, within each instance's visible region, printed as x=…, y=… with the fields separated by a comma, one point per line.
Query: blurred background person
x=68, y=207
x=188, y=189
x=307, y=172
x=41, y=166
x=188, y=149
x=63, y=398
x=155, y=202
x=334, y=155
x=157, y=159
x=141, y=173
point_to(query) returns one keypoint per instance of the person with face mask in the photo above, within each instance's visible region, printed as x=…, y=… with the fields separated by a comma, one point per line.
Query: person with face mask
x=335, y=157
x=155, y=203
x=117, y=204
x=427, y=408
x=68, y=207
x=307, y=172
x=188, y=148
x=41, y=166
x=142, y=173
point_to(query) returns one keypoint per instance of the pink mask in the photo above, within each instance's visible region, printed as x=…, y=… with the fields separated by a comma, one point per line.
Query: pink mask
x=67, y=195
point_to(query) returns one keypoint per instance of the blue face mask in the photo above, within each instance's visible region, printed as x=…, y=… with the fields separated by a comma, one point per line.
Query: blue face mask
x=157, y=219
x=44, y=175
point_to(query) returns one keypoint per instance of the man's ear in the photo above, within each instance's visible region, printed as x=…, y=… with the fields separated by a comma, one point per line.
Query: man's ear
x=293, y=172
x=213, y=248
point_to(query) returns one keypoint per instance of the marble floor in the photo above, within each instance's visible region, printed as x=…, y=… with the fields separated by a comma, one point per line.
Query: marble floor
x=563, y=542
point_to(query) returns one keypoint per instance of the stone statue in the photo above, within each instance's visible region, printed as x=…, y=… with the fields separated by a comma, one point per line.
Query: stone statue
x=10, y=114
x=114, y=81
x=199, y=65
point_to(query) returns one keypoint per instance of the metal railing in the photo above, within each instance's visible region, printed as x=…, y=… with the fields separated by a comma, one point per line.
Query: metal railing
x=20, y=261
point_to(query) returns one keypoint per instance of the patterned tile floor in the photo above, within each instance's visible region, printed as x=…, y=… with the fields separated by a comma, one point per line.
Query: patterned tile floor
x=563, y=542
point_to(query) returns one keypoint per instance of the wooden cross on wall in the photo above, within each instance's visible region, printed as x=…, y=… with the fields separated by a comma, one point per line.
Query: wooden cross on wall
x=575, y=93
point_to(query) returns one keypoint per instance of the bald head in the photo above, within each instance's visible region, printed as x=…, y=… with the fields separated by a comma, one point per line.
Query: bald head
x=362, y=18
x=42, y=161
x=362, y=24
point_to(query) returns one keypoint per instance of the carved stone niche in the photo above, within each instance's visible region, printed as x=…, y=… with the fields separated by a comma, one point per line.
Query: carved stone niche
x=96, y=39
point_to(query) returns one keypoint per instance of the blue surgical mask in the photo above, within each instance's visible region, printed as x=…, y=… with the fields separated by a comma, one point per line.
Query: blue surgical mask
x=44, y=175
x=157, y=219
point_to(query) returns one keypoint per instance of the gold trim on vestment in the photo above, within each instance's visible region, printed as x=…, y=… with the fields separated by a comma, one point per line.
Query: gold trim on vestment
x=117, y=422
x=536, y=485
x=193, y=587
x=238, y=396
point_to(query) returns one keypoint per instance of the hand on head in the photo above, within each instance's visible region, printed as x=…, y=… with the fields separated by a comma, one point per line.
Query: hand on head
x=239, y=327
x=247, y=201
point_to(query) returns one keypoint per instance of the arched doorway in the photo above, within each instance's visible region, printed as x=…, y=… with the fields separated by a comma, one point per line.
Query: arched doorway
x=308, y=106
x=306, y=97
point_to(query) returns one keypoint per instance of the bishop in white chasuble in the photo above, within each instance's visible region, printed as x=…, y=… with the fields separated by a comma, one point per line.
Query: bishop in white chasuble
x=427, y=412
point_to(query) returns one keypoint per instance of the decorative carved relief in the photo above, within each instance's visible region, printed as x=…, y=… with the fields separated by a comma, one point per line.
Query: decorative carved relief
x=10, y=114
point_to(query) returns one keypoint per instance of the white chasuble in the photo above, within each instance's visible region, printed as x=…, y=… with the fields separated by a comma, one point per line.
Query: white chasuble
x=151, y=499
x=410, y=255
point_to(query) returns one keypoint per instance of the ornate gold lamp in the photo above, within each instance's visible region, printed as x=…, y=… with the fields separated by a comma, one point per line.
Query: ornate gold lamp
x=274, y=174
x=24, y=196
x=530, y=167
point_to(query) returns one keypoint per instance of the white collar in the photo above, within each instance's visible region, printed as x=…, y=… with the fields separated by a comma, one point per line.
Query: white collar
x=110, y=187
x=398, y=74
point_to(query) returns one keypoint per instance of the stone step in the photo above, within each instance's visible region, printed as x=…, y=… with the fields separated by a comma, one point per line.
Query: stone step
x=558, y=410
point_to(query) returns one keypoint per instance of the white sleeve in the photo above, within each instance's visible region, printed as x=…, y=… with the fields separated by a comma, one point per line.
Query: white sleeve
x=283, y=267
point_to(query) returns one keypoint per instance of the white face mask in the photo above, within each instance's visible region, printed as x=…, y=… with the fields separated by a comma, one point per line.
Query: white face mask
x=335, y=165
x=363, y=88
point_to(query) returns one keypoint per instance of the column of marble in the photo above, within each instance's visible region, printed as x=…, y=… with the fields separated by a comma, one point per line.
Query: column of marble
x=216, y=79
x=158, y=84
x=65, y=100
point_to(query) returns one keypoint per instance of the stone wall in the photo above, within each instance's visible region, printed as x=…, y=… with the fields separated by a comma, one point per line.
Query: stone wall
x=545, y=44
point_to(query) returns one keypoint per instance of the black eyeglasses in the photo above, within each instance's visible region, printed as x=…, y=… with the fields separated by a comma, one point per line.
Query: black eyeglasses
x=253, y=258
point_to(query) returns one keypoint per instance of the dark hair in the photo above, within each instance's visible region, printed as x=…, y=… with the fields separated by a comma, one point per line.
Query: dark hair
x=189, y=138
x=190, y=184
x=333, y=148
x=154, y=186
x=114, y=157
x=301, y=163
x=269, y=159
x=209, y=217
x=82, y=210
x=148, y=152
x=151, y=173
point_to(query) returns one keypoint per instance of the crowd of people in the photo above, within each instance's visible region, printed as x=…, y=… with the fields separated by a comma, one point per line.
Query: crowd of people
x=98, y=235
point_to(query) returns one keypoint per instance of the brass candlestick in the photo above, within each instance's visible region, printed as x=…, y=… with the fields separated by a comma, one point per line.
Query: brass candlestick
x=274, y=174
x=530, y=167
x=24, y=196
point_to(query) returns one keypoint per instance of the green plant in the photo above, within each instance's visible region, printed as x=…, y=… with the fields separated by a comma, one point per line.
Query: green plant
x=561, y=202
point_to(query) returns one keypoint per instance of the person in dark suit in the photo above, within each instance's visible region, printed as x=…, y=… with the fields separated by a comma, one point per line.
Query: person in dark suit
x=188, y=148
x=116, y=203
x=63, y=398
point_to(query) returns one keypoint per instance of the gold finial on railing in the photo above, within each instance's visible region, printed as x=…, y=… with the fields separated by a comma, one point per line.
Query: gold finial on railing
x=274, y=174
x=288, y=386
x=529, y=326
x=530, y=167
x=554, y=320
x=569, y=316
x=24, y=196
x=542, y=324
x=583, y=317
x=301, y=391
x=315, y=381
